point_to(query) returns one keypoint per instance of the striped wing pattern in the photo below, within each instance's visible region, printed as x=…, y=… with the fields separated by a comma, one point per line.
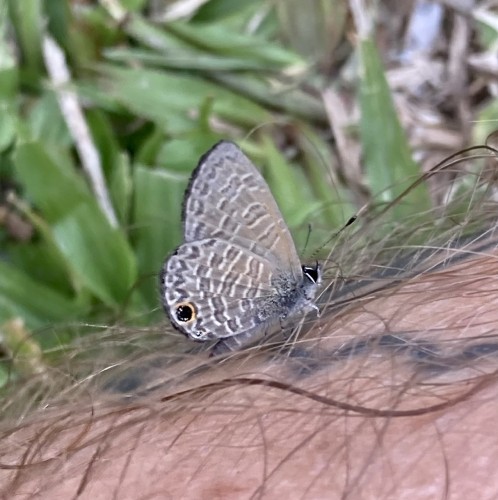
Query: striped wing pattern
x=238, y=260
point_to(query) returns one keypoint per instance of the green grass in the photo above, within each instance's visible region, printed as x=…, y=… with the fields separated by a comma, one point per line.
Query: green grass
x=156, y=96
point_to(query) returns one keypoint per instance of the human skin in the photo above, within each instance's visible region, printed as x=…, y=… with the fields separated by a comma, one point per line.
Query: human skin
x=392, y=396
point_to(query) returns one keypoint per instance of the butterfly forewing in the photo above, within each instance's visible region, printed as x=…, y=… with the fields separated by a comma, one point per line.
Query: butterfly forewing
x=228, y=198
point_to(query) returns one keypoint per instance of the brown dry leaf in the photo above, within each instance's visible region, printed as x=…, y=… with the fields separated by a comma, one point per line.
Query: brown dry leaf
x=16, y=227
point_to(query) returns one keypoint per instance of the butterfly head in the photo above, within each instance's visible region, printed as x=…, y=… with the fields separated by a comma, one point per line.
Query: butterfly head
x=313, y=274
x=312, y=279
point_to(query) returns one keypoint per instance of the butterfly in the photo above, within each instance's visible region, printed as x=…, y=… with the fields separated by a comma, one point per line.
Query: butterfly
x=237, y=273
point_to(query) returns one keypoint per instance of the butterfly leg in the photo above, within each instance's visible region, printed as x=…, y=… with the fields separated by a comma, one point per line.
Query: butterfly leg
x=314, y=307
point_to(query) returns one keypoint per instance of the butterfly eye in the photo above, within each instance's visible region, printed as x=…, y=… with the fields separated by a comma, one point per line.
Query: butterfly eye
x=185, y=312
x=312, y=273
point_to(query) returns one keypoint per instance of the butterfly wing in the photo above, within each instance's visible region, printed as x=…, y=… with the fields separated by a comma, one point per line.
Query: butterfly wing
x=214, y=289
x=228, y=199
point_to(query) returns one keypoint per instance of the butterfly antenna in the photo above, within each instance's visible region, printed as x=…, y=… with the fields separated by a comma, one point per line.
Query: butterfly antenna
x=307, y=239
x=439, y=167
x=348, y=223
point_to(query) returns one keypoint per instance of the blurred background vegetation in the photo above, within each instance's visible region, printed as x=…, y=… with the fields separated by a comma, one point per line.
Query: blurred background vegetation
x=106, y=106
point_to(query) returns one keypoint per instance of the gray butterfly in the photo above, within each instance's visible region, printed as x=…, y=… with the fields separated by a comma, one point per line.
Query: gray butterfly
x=237, y=274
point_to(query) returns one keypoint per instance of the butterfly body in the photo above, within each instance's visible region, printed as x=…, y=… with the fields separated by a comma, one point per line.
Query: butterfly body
x=237, y=273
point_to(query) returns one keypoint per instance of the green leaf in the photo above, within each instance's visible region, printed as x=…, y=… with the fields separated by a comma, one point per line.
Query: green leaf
x=104, y=139
x=150, y=146
x=8, y=70
x=5, y=375
x=35, y=303
x=219, y=9
x=121, y=187
x=43, y=262
x=172, y=100
x=187, y=60
x=182, y=155
x=313, y=28
x=54, y=187
x=8, y=129
x=27, y=19
x=99, y=254
x=218, y=39
x=152, y=36
x=46, y=123
x=156, y=222
x=336, y=207
x=288, y=185
x=134, y=5
x=388, y=161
